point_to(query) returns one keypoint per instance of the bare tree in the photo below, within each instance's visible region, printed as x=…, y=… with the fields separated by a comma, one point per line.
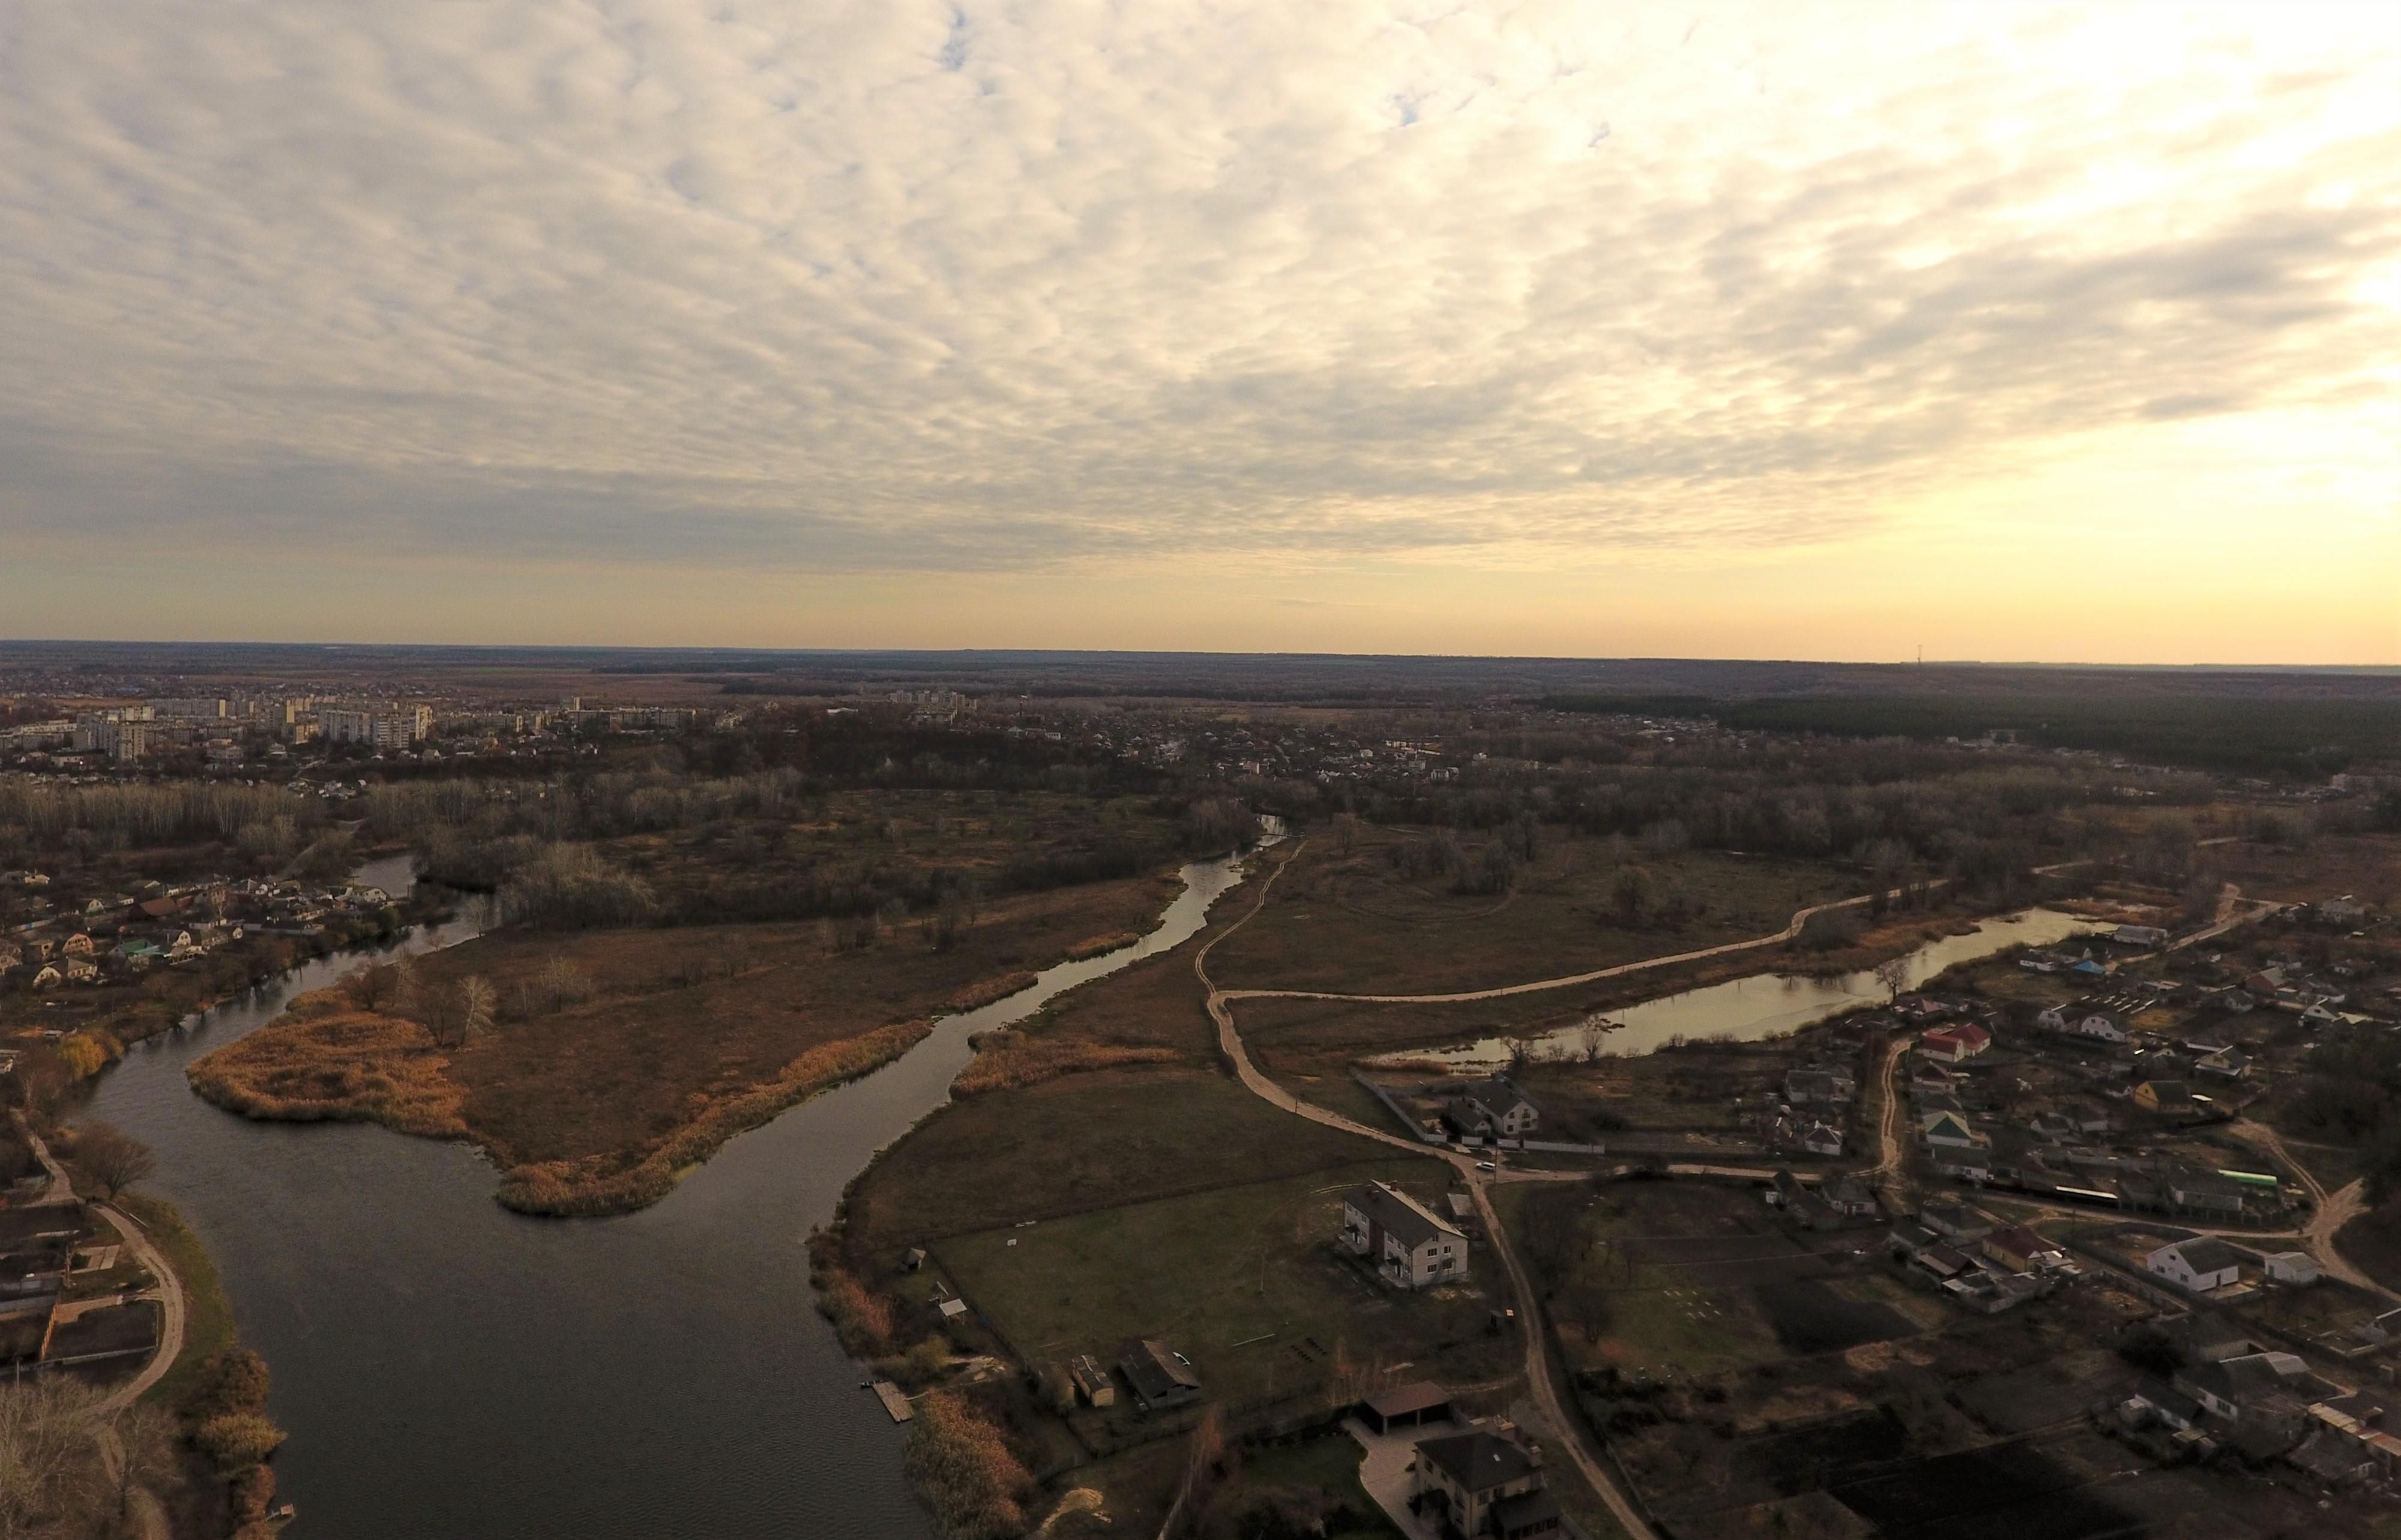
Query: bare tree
x=565, y=983
x=405, y=995
x=476, y=1001
x=144, y=1453
x=113, y=1159
x=1893, y=974
x=51, y=1470
x=371, y=986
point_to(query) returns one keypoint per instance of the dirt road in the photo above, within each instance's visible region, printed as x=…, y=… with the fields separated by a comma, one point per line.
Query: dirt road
x=1539, y=1375
x=2329, y=1213
x=170, y=1300
x=1887, y=1174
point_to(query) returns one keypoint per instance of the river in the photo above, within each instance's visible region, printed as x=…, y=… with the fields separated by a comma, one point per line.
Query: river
x=449, y=1371
x=1759, y=1006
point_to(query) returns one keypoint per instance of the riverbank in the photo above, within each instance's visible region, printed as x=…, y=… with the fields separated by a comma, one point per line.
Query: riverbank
x=605, y=1065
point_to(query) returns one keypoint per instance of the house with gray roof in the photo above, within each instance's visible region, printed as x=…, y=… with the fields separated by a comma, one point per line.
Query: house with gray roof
x=1409, y=1246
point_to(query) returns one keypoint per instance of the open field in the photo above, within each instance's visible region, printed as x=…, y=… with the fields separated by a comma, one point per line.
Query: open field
x=1696, y=1278
x=1087, y=1141
x=1249, y=1282
x=1357, y=923
x=2365, y=865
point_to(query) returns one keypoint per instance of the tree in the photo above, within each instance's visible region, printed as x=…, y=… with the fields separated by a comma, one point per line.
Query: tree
x=43, y=1080
x=144, y=1453
x=565, y=983
x=477, y=1001
x=372, y=986
x=1631, y=892
x=51, y=1470
x=404, y=991
x=1893, y=974
x=113, y=1159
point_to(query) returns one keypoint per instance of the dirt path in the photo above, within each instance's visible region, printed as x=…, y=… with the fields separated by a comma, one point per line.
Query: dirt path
x=1538, y=1363
x=1887, y=1174
x=170, y=1298
x=62, y=1190
x=1567, y=981
x=2329, y=1211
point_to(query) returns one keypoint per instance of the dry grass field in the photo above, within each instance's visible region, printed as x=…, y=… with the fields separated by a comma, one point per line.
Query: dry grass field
x=677, y=1018
x=1248, y=1282
x=1356, y=923
x=616, y=1057
x=1083, y=1142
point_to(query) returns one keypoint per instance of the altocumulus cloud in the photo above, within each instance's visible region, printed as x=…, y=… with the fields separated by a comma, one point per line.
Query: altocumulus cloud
x=903, y=284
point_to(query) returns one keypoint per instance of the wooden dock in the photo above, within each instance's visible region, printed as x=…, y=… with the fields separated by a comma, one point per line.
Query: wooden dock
x=894, y=1402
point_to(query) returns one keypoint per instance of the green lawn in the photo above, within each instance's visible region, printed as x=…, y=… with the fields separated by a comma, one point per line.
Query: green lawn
x=1331, y=1466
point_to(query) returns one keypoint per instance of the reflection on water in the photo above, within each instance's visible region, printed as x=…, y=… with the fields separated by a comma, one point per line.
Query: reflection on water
x=1763, y=1005
x=448, y=1369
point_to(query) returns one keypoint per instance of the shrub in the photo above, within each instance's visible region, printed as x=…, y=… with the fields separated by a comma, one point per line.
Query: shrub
x=965, y=1471
x=1830, y=929
x=860, y=1319
x=251, y=1492
x=238, y=1440
x=1013, y=1062
x=83, y=1055
x=228, y=1383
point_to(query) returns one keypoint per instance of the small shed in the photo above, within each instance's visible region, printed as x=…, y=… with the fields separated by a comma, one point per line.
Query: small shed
x=1092, y=1381
x=913, y=1261
x=1412, y=1405
x=2291, y=1267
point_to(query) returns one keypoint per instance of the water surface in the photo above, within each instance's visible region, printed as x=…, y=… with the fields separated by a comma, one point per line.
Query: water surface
x=1762, y=1005
x=448, y=1369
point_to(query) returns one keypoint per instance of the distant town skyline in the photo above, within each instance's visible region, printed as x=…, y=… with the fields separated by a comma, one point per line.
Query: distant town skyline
x=2043, y=333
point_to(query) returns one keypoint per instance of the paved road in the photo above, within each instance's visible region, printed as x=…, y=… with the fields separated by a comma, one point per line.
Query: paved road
x=1538, y=1364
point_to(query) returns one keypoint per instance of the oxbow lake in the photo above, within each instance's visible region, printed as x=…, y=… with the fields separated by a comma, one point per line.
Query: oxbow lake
x=1747, y=1009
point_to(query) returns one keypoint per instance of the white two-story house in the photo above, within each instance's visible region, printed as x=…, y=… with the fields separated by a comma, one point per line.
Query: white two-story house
x=1408, y=1246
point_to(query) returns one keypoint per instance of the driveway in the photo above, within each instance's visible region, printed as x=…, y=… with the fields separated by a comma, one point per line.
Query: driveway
x=1385, y=1473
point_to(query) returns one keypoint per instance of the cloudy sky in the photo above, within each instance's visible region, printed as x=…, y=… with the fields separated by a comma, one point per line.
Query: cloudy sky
x=1794, y=330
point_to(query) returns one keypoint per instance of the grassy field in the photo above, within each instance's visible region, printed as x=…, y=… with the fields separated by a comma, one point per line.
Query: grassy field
x=2365, y=865
x=1087, y=1141
x=1247, y=1281
x=1356, y=923
x=208, y=1316
x=1695, y=1278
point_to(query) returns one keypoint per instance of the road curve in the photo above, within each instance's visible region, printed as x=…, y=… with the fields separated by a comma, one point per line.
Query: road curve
x=170, y=1300
x=170, y=1288
x=1540, y=1381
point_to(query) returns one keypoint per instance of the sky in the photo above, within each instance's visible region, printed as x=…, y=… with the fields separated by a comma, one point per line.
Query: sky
x=2011, y=332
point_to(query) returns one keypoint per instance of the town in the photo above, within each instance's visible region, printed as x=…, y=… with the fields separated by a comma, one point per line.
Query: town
x=1541, y=1116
